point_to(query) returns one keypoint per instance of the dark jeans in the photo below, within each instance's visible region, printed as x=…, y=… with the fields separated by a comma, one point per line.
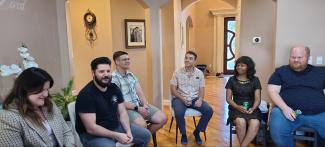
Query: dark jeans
x=141, y=138
x=180, y=108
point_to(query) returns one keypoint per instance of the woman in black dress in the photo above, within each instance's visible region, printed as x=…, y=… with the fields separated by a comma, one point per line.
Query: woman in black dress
x=244, y=96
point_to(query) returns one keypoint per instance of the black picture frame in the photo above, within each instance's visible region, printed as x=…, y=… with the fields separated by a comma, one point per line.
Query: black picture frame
x=135, y=33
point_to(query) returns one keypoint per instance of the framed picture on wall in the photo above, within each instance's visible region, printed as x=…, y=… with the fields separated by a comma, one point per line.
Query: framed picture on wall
x=135, y=31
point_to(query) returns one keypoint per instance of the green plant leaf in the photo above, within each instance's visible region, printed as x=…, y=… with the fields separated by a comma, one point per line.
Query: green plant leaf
x=63, y=98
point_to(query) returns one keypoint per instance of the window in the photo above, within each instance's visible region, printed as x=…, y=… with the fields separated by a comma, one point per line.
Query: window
x=229, y=44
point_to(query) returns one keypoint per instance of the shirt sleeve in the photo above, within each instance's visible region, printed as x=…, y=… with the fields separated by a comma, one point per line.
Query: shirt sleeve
x=135, y=78
x=173, y=81
x=275, y=78
x=119, y=94
x=85, y=103
x=116, y=80
x=202, y=82
x=257, y=83
x=229, y=84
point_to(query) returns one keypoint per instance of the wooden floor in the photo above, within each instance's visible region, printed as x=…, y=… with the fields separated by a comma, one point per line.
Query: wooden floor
x=217, y=131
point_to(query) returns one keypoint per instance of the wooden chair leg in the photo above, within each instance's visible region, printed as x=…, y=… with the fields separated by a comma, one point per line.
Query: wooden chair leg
x=176, y=132
x=154, y=139
x=194, y=121
x=171, y=123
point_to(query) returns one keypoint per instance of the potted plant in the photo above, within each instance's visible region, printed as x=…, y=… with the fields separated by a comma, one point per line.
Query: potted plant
x=63, y=98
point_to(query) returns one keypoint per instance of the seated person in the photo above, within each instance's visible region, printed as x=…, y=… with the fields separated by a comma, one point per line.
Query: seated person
x=296, y=88
x=244, y=96
x=187, y=88
x=101, y=118
x=135, y=101
x=29, y=117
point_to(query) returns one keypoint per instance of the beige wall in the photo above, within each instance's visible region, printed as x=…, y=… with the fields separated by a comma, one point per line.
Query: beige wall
x=168, y=46
x=300, y=22
x=35, y=23
x=83, y=53
x=131, y=9
x=258, y=18
x=204, y=26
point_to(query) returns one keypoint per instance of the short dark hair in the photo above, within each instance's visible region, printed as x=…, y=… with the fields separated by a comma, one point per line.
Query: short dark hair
x=30, y=81
x=118, y=54
x=99, y=60
x=250, y=66
x=192, y=53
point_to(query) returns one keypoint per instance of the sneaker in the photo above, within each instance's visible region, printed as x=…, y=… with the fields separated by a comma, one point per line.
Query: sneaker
x=184, y=139
x=196, y=134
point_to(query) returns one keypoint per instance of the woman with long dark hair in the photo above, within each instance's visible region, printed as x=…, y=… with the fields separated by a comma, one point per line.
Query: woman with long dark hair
x=29, y=117
x=244, y=96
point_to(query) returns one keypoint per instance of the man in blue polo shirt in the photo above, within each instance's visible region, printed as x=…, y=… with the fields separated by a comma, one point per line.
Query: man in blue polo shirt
x=298, y=92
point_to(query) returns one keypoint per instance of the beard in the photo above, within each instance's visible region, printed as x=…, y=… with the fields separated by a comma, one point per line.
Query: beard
x=103, y=82
x=298, y=66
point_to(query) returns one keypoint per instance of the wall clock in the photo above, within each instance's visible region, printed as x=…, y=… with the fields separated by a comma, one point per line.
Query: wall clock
x=90, y=24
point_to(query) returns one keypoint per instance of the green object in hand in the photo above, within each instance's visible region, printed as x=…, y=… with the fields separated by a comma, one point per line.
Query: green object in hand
x=298, y=112
x=245, y=105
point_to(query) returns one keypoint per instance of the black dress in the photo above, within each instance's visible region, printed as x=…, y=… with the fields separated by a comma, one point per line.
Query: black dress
x=243, y=91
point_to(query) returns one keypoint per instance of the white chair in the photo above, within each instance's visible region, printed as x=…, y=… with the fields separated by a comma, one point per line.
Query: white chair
x=72, y=115
x=188, y=113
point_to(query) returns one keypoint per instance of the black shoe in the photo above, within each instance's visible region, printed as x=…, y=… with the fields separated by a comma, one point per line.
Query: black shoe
x=198, y=139
x=184, y=139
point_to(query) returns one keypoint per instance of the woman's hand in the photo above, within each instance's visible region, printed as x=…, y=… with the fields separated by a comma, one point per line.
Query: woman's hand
x=250, y=110
x=241, y=109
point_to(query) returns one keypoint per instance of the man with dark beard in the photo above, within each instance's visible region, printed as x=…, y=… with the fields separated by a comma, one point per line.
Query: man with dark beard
x=298, y=92
x=102, y=119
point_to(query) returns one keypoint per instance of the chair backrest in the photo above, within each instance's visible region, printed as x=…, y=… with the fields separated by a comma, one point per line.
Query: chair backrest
x=72, y=112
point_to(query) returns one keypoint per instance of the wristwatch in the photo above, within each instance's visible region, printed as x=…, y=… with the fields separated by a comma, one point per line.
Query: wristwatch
x=135, y=108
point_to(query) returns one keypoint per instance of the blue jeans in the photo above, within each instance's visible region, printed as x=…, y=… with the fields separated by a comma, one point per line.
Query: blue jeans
x=141, y=138
x=180, y=108
x=282, y=129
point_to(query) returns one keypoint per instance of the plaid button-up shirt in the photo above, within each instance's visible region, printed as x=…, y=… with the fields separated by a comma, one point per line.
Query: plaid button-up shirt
x=127, y=83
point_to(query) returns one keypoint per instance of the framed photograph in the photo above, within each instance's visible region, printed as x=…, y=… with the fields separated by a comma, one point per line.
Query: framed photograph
x=135, y=31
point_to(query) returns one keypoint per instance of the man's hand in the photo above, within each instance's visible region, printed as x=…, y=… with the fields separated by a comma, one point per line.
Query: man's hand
x=129, y=134
x=198, y=103
x=186, y=101
x=123, y=138
x=289, y=113
x=143, y=111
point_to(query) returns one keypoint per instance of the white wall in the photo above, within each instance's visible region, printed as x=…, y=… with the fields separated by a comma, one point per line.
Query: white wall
x=300, y=22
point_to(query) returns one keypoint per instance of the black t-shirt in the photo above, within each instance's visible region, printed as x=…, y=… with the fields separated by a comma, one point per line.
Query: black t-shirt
x=104, y=104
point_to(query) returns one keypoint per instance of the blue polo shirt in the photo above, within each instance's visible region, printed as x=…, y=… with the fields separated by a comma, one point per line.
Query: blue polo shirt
x=301, y=90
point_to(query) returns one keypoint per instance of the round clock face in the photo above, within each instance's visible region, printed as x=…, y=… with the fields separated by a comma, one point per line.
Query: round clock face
x=89, y=18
